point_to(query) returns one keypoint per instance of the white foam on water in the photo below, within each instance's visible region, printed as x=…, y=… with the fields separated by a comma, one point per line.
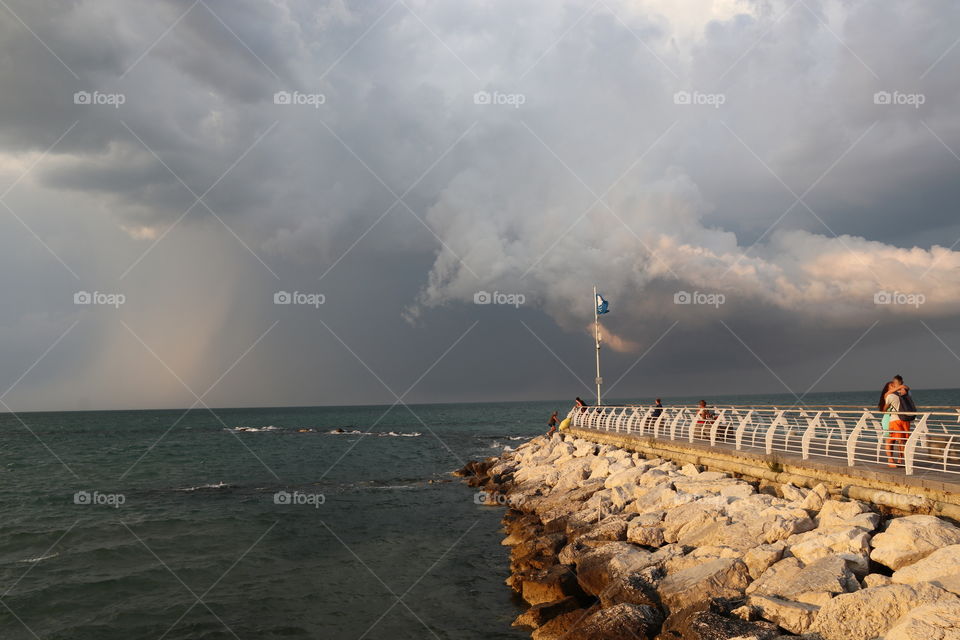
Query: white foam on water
x=219, y=485
x=40, y=558
x=388, y=434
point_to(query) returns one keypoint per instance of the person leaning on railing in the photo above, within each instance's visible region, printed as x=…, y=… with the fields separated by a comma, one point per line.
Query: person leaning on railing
x=705, y=418
x=896, y=398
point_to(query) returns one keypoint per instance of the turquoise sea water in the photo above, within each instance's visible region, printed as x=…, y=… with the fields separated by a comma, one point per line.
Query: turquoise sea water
x=260, y=523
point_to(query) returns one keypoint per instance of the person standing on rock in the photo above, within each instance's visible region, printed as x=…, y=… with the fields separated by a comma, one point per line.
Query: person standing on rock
x=553, y=424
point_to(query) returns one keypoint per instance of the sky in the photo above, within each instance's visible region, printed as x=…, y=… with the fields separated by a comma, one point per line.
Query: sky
x=250, y=203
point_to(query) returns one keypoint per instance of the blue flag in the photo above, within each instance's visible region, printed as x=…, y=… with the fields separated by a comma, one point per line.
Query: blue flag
x=602, y=305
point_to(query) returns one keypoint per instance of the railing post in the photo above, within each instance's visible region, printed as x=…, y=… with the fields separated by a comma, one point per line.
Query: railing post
x=721, y=417
x=808, y=434
x=910, y=451
x=643, y=421
x=693, y=423
x=658, y=422
x=743, y=427
x=772, y=429
x=673, y=425
x=854, y=436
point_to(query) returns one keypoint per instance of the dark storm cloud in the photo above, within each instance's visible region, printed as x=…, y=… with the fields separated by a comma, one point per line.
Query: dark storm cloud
x=586, y=168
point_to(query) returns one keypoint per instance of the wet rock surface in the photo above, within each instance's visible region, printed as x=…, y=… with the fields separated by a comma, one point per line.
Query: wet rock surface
x=608, y=544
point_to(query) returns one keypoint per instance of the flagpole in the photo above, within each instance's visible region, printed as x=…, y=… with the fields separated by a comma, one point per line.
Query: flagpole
x=596, y=335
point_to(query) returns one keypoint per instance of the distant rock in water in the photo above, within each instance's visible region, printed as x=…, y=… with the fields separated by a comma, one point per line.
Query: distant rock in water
x=607, y=545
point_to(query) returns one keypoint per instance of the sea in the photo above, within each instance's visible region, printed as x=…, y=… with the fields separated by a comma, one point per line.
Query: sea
x=310, y=522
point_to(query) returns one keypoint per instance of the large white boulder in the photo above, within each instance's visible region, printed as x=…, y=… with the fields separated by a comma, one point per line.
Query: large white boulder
x=720, y=578
x=815, y=582
x=851, y=513
x=940, y=565
x=624, y=477
x=685, y=520
x=795, y=617
x=912, y=538
x=599, y=466
x=851, y=544
x=870, y=613
x=762, y=557
x=778, y=523
x=935, y=621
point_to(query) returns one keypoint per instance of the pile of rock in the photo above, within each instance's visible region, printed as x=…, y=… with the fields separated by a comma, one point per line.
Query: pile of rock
x=608, y=544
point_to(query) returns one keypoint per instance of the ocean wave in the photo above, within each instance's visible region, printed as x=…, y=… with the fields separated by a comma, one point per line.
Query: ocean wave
x=253, y=429
x=202, y=487
x=40, y=558
x=379, y=434
x=339, y=431
x=394, y=486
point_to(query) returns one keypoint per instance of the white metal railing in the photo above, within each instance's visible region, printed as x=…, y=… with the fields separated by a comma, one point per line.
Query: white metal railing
x=931, y=441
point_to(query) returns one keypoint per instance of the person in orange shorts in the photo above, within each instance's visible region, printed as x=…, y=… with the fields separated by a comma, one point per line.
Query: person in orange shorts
x=899, y=429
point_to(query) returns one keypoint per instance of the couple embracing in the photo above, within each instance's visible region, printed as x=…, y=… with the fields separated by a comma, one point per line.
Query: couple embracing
x=894, y=399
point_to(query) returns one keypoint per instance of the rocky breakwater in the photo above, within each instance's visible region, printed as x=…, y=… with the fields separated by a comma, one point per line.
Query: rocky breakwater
x=608, y=544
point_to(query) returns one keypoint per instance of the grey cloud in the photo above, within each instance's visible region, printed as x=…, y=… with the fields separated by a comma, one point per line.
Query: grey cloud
x=598, y=90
